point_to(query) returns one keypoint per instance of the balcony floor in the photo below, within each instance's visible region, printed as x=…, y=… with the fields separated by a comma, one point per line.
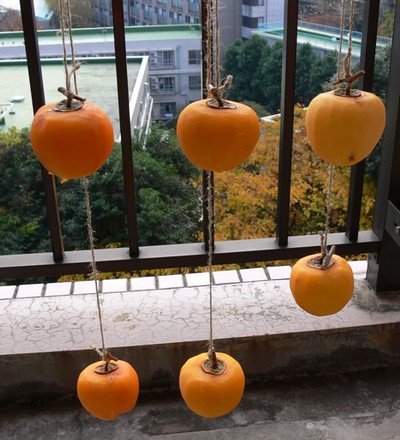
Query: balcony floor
x=354, y=406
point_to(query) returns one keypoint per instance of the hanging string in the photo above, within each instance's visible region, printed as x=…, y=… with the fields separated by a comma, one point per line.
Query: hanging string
x=326, y=254
x=66, y=27
x=348, y=77
x=209, y=46
x=210, y=211
x=71, y=42
x=93, y=264
x=213, y=77
x=64, y=43
x=217, y=61
x=351, y=23
x=66, y=22
x=339, y=62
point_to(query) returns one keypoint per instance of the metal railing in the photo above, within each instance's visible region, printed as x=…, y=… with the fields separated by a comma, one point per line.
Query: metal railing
x=382, y=242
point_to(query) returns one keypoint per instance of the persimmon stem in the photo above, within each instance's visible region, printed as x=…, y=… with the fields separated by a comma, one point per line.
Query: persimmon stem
x=212, y=356
x=348, y=78
x=217, y=93
x=70, y=95
x=212, y=365
x=106, y=356
x=326, y=261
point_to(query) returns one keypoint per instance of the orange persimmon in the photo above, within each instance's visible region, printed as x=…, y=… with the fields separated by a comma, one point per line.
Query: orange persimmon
x=217, y=139
x=72, y=144
x=211, y=395
x=108, y=395
x=322, y=292
x=342, y=129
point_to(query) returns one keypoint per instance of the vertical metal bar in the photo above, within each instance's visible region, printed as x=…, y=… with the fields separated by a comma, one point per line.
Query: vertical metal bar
x=204, y=48
x=38, y=100
x=383, y=268
x=287, y=116
x=125, y=125
x=367, y=63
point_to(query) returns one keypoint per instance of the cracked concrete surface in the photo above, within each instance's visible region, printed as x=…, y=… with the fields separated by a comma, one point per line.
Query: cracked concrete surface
x=357, y=406
x=64, y=323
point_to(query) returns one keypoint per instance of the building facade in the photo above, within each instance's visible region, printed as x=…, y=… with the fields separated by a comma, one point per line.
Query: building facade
x=238, y=18
x=149, y=12
x=260, y=13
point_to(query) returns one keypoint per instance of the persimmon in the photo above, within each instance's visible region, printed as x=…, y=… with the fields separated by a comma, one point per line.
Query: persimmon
x=73, y=143
x=217, y=138
x=211, y=394
x=322, y=291
x=343, y=128
x=107, y=395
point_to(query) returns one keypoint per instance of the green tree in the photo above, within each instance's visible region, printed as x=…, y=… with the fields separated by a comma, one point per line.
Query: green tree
x=168, y=204
x=381, y=73
x=258, y=108
x=271, y=73
x=231, y=66
x=22, y=225
x=306, y=60
x=242, y=60
x=257, y=71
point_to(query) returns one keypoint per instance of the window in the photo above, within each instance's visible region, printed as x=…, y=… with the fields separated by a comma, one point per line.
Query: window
x=194, y=82
x=162, y=84
x=194, y=57
x=167, y=109
x=194, y=6
x=177, y=4
x=162, y=59
x=165, y=58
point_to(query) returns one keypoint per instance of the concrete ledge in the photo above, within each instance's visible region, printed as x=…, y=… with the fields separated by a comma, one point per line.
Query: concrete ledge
x=160, y=282
x=46, y=340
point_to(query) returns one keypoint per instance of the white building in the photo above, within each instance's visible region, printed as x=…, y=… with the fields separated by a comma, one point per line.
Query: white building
x=261, y=13
x=173, y=52
x=149, y=12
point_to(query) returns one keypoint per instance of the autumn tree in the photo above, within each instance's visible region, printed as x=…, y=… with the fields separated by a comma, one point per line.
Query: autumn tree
x=246, y=198
x=10, y=20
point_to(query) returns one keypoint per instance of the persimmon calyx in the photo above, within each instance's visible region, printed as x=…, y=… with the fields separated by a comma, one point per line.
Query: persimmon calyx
x=353, y=93
x=212, y=365
x=72, y=103
x=217, y=94
x=106, y=368
x=324, y=261
x=109, y=362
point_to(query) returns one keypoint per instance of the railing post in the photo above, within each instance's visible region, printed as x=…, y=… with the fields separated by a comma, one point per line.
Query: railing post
x=204, y=48
x=367, y=62
x=125, y=125
x=287, y=117
x=38, y=100
x=384, y=267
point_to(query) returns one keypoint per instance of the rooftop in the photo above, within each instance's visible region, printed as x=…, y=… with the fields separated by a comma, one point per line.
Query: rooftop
x=97, y=82
x=320, y=37
x=93, y=35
